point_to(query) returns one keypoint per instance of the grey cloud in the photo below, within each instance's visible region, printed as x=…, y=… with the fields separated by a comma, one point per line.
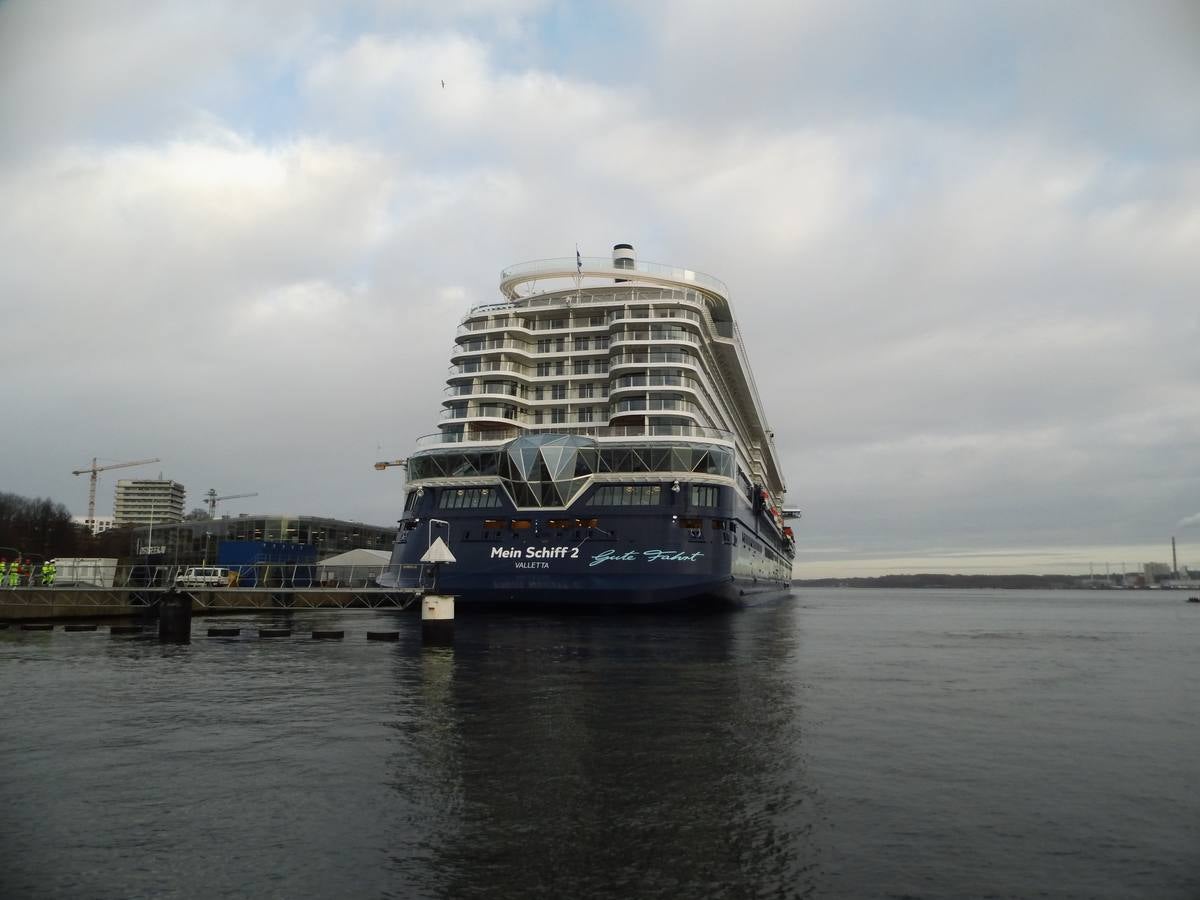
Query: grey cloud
x=967, y=334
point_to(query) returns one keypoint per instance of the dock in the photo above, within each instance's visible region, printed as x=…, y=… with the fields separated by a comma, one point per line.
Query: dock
x=137, y=590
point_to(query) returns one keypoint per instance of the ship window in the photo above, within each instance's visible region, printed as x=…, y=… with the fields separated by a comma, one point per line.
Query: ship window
x=520, y=524
x=468, y=498
x=627, y=495
x=692, y=524
x=704, y=495
x=560, y=524
x=493, y=523
x=583, y=367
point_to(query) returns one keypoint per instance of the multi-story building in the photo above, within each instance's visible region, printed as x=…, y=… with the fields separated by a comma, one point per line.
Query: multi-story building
x=145, y=501
x=98, y=525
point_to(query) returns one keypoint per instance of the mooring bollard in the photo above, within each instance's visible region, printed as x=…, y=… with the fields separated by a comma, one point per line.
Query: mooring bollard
x=437, y=619
x=175, y=618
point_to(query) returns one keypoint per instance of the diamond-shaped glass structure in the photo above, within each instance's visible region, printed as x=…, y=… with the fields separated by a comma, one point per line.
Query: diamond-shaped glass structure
x=547, y=469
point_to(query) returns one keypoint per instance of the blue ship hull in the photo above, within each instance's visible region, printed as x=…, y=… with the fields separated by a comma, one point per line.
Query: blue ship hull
x=645, y=556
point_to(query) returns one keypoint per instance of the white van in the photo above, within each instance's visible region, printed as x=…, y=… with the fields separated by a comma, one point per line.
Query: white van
x=204, y=576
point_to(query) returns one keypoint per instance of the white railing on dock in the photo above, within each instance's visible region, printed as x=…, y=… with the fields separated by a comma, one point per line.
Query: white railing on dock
x=272, y=576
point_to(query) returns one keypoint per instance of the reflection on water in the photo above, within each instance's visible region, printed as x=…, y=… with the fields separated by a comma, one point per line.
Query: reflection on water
x=638, y=756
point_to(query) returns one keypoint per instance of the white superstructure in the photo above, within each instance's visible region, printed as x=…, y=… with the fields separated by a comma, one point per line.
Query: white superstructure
x=611, y=348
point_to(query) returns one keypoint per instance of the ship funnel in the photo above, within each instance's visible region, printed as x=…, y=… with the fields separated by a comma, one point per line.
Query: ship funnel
x=623, y=258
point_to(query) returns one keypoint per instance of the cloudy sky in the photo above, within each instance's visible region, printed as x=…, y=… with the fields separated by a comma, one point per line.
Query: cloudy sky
x=963, y=241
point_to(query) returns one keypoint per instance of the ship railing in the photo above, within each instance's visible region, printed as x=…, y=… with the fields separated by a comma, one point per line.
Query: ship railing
x=592, y=294
x=635, y=404
x=530, y=396
x=602, y=267
x=597, y=431
x=666, y=337
x=484, y=346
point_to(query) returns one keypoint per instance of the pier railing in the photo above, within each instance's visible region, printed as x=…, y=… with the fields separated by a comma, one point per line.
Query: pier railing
x=273, y=576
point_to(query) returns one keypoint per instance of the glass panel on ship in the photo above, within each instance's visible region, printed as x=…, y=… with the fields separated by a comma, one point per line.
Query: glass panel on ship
x=601, y=441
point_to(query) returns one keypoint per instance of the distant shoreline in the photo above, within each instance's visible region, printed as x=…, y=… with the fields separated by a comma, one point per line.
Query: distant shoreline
x=935, y=580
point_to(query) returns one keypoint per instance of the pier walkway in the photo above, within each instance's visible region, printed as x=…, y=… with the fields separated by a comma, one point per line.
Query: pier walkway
x=134, y=590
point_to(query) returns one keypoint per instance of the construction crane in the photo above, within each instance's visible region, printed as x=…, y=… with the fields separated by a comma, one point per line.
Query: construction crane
x=96, y=470
x=212, y=500
x=383, y=464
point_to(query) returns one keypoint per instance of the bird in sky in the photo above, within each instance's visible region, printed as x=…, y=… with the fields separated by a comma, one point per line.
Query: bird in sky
x=443, y=83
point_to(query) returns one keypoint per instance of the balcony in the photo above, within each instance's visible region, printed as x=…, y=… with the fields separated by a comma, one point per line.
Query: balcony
x=480, y=412
x=641, y=404
x=651, y=359
x=489, y=346
x=694, y=432
x=628, y=382
x=675, y=336
x=467, y=390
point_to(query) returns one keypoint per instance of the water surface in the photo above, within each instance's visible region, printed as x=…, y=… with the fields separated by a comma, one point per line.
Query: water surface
x=848, y=743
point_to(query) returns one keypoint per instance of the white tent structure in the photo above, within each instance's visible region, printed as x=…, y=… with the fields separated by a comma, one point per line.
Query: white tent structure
x=354, y=568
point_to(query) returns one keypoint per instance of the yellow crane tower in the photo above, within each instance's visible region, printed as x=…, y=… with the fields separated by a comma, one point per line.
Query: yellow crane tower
x=96, y=470
x=384, y=463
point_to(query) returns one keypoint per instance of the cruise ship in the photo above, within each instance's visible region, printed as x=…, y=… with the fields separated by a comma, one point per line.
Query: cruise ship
x=602, y=442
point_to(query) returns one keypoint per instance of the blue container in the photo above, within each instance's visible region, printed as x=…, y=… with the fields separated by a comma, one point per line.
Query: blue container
x=269, y=563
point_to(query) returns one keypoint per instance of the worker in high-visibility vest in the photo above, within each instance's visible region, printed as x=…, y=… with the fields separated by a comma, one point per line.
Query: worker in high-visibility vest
x=53, y=572
x=3, y=571
x=14, y=573
x=46, y=574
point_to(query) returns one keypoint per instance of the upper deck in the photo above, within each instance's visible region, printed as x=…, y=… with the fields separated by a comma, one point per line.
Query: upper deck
x=584, y=271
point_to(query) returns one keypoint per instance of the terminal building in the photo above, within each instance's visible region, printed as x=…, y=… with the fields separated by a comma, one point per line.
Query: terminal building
x=199, y=542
